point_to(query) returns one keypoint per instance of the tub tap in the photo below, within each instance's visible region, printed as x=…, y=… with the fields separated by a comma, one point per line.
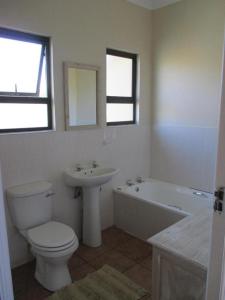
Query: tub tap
x=130, y=182
x=94, y=164
x=79, y=167
x=139, y=179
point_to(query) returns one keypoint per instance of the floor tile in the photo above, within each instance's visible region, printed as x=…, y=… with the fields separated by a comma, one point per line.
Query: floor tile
x=21, y=277
x=81, y=271
x=114, y=259
x=25, y=285
x=75, y=261
x=141, y=276
x=147, y=262
x=135, y=249
x=147, y=297
x=89, y=253
x=36, y=291
x=113, y=237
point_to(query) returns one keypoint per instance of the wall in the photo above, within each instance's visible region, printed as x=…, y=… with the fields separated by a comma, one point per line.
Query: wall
x=81, y=30
x=187, y=61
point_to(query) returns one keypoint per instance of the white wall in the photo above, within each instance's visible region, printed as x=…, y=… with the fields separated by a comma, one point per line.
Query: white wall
x=187, y=62
x=81, y=30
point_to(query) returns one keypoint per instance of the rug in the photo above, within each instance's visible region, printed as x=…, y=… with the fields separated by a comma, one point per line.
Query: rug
x=104, y=284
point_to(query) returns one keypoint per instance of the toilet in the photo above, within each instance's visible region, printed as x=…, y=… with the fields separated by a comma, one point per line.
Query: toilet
x=52, y=243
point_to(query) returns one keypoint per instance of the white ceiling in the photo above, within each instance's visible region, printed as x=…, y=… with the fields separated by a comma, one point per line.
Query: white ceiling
x=153, y=4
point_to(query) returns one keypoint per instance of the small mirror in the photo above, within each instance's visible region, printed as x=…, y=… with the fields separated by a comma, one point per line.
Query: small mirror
x=80, y=87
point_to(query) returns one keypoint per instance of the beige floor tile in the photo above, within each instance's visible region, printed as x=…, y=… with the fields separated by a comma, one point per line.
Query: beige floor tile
x=114, y=259
x=89, y=253
x=141, y=276
x=147, y=297
x=113, y=237
x=81, y=271
x=135, y=249
x=147, y=262
x=75, y=261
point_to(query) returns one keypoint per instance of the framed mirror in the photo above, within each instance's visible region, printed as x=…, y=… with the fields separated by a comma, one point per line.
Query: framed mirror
x=80, y=90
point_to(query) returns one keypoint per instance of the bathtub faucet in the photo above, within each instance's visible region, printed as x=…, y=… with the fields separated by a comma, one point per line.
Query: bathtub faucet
x=130, y=182
x=79, y=167
x=139, y=179
x=94, y=164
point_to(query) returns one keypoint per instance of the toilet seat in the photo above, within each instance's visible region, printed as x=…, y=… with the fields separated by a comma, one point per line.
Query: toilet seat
x=52, y=237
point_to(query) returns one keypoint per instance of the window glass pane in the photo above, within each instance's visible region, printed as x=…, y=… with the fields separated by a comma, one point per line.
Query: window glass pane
x=19, y=63
x=119, y=76
x=43, y=83
x=119, y=112
x=19, y=115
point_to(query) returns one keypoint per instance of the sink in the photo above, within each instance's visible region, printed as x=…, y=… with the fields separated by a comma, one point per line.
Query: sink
x=90, y=180
x=89, y=177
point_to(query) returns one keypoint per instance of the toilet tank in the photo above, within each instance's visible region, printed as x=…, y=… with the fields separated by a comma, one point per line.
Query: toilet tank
x=30, y=204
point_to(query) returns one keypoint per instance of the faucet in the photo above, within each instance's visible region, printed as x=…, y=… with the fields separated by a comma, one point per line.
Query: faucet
x=130, y=182
x=94, y=164
x=139, y=179
x=79, y=167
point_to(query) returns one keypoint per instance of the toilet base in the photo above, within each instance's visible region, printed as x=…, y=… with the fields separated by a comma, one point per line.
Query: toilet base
x=52, y=273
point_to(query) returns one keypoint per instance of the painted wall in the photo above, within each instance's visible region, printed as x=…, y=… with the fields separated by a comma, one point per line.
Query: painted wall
x=187, y=61
x=81, y=30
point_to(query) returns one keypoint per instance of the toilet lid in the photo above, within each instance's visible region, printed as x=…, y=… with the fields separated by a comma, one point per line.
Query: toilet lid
x=51, y=235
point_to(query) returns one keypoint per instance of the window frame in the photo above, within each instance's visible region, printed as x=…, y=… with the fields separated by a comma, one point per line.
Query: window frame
x=31, y=98
x=121, y=99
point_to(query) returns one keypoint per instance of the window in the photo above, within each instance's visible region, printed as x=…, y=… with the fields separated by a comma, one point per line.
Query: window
x=25, y=82
x=121, y=87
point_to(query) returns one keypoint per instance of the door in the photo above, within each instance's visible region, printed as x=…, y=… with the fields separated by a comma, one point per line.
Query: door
x=6, y=291
x=216, y=273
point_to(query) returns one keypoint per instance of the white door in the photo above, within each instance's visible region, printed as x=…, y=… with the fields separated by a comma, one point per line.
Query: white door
x=216, y=273
x=6, y=291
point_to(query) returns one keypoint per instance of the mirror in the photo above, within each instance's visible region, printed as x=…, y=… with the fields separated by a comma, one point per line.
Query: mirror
x=80, y=88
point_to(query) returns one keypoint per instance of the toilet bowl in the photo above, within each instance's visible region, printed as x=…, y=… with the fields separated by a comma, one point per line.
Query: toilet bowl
x=52, y=243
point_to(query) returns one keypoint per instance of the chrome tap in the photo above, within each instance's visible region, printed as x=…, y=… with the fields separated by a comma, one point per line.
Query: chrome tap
x=94, y=164
x=130, y=182
x=139, y=179
x=79, y=167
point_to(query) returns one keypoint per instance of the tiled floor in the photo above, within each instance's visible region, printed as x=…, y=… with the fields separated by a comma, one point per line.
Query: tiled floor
x=123, y=252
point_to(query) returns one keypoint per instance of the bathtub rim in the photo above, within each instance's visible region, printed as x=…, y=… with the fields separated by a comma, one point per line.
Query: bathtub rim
x=122, y=191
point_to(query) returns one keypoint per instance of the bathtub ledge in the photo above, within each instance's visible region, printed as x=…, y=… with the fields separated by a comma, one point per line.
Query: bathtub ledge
x=188, y=239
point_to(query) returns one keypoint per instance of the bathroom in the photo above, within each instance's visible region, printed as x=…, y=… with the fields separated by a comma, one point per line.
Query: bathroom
x=180, y=51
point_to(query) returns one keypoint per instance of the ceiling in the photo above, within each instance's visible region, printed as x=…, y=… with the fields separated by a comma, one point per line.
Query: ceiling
x=153, y=4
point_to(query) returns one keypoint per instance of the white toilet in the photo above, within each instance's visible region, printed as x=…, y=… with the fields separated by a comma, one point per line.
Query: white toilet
x=52, y=243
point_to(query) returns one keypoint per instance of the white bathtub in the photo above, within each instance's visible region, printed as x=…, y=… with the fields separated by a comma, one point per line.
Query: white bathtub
x=146, y=208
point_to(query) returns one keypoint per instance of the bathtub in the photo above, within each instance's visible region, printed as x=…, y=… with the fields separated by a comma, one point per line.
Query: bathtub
x=146, y=208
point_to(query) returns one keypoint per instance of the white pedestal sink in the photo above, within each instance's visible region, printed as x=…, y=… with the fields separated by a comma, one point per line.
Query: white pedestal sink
x=90, y=181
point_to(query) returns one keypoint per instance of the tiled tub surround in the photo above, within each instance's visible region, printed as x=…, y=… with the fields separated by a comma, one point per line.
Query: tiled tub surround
x=180, y=258
x=147, y=208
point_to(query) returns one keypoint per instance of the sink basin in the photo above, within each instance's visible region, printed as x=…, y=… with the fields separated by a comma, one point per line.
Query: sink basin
x=89, y=177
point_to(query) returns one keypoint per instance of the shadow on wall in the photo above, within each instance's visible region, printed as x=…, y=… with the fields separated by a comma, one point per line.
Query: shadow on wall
x=185, y=155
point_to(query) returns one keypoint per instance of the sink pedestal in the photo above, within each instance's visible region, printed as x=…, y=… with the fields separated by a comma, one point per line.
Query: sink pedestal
x=92, y=236
x=90, y=180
